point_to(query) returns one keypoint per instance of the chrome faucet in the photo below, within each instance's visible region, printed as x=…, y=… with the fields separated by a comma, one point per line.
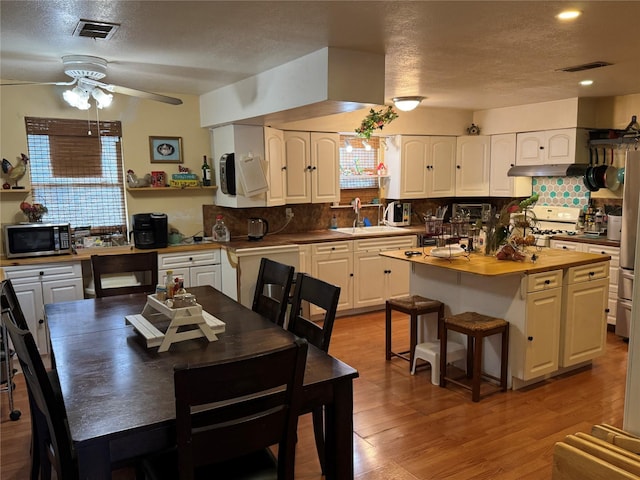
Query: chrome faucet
x=357, y=205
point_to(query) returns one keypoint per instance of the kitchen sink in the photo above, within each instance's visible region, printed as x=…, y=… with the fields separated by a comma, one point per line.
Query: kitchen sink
x=373, y=230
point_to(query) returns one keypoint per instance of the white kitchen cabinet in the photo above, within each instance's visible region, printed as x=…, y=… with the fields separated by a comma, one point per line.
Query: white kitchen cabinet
x=312, y=166
x=197, y=267
x=333, y=263
x=551, y=147
x=584, y=326
x=37, y=285
x=378, y=278
x=304, y=258
x=542, y=324
x=473, y=160
x=614, y=268
x=421, y=167
x=275, y=166
x=503, y=157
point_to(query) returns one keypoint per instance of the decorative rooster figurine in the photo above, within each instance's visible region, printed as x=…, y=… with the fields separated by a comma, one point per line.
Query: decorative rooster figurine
x=16, y=172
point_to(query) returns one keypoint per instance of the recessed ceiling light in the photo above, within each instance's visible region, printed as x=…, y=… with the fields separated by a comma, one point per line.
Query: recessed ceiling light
x=569, y=15
x=586, y=83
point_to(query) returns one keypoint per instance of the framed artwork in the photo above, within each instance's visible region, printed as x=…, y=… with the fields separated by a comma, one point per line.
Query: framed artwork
x=165, y=149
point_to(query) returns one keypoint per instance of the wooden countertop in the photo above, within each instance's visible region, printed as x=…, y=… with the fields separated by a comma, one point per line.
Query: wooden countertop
x=479, y=264
x=587, y=239
x=236, y=243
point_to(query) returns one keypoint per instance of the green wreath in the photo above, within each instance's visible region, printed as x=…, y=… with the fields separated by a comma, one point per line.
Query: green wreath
x=376, y=120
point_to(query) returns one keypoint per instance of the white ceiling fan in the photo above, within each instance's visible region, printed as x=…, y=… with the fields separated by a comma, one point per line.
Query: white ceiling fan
x=87, y=73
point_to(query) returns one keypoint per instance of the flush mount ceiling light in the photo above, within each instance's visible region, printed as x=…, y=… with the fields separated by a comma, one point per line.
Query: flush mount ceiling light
x=569, y=15
x=586, y=83
x=407, y=104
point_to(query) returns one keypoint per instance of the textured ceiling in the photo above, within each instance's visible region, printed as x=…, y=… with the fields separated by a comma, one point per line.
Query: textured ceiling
x=473, y=55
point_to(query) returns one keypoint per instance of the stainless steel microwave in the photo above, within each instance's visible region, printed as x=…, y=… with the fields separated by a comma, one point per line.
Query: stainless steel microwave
x=37, y=239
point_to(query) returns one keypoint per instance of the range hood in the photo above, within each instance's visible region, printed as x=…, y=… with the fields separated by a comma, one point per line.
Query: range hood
x=561, y=170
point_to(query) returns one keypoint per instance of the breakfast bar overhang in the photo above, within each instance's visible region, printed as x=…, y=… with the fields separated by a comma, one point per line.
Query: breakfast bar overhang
x=555, y=305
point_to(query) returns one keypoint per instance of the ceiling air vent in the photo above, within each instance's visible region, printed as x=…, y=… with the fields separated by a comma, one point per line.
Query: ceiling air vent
x=586, y=66
x=93, y=29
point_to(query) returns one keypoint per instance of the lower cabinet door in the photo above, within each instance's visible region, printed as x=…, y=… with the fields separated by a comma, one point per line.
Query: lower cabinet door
x=206, y=275
x=542, y=333
x=370, y=270
x=584, y=326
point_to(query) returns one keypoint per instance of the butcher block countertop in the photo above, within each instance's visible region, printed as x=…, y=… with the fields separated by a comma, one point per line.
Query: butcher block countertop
x=479, y=264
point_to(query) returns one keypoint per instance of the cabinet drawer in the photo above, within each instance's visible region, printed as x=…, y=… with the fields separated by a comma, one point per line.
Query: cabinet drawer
x=388, y=243
x=544, y=281
x=586, y=273
x=188, y=259
x=562, y=245
x=613, y=252
x=53, y=271
x=332, y=247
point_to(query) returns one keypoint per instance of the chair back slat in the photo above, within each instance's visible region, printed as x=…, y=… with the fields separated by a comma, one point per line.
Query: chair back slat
x=143, y=265
x=271, y=297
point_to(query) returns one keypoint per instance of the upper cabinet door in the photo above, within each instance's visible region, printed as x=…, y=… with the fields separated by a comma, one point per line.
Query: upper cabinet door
x=531, y=147
x=413, y=167
x=297, y=148
x=325, y=167
x=473, y=166
x=503, y=157
x=276, y=169
x=441, y=171
x=561, y=146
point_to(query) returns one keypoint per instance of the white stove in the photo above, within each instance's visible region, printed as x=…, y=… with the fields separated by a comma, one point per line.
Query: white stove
x=554, y=221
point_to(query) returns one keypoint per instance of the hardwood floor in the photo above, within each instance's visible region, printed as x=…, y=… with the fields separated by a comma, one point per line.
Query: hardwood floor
x=405, y=428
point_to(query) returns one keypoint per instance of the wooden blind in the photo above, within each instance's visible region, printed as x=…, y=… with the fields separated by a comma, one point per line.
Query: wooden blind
x=77, y=172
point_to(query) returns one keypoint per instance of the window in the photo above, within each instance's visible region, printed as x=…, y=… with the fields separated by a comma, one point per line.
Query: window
x=77, y=172
x=357, y=161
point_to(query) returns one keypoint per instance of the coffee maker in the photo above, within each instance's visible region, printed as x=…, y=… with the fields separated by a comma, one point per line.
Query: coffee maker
x=150, y=230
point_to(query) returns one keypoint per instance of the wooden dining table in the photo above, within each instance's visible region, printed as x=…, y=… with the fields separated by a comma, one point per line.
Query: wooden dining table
x=119, y=394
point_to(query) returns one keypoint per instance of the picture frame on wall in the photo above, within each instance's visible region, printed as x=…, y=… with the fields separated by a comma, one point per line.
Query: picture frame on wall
x=165, y=149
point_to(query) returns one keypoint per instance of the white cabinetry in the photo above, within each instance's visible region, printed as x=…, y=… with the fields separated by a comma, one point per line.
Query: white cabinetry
x=614, y=268
x=312, y=161
x=584, y=325
x=275, y=166
x=542, y=324
x=550, y=147
x=197, y=267
x=503, y=157
x=473, y=166
x=37, y=285
x=333, y=263
x=379, y=278
x=421, y=167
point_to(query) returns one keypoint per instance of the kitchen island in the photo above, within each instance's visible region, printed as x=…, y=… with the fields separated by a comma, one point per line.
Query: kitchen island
x=555, y=305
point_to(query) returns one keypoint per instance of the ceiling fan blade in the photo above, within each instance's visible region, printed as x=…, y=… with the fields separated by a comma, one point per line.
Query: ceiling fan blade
x=146, y=95
x=72, y=82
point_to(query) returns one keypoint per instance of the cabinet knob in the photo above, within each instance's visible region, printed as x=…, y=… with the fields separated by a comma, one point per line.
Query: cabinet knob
x=530, y=339
x=308, y=168
x=333, y=248
x=41, y=321
x=314, y=168
x=541, y=148
x=591, y=274
x=603, y=253
x=547, y=282
x=351, y=274
x=564, y=247
x=458, y=167
x=41, y=273
x=606, y=310
x=512, y=164
x=190, y=259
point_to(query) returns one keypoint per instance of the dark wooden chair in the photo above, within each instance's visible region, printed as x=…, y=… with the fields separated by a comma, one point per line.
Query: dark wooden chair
x=326, y=296
x=271, y=297
x=143, y=265
x=227, y=415
x=51, y=442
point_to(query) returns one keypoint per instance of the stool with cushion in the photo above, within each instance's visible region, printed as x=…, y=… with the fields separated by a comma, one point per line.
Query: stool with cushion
x=476, y=327
x=430, y=352
x=414, y=306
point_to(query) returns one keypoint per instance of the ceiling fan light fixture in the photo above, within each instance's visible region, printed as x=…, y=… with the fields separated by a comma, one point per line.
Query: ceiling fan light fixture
x=103, y=100
x=77, y=97
x=406, y=104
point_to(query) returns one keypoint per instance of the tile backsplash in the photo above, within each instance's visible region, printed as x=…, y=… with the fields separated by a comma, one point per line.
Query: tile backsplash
x=561, y=191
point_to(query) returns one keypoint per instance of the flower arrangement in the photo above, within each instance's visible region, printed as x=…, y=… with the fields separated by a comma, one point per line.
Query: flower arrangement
x=376, y=120
x=34, y=212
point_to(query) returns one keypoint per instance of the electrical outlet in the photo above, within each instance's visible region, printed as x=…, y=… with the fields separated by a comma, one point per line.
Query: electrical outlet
x=289, y=213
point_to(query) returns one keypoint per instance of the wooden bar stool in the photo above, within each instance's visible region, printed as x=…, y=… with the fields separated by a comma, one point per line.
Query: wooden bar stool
x=476, y=327
x=413, y=305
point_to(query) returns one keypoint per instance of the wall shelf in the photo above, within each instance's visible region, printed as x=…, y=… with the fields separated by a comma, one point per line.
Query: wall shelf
x=362, y=177
x=364, y=205
x=15, y=190
x=164, y=189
